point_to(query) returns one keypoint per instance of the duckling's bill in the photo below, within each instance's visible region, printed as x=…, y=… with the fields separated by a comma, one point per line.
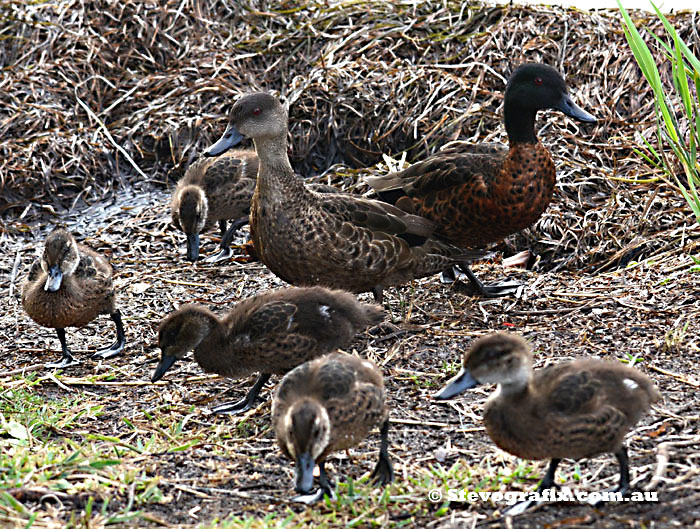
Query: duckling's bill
x=304, y=473
x=230, y=139
x=192, y=246
x=462, y=382
x=53, y=281
x=165, y=363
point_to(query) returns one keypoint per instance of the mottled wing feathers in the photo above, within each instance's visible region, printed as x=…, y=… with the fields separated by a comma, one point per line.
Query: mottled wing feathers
x=270, y=318
x=442, y=171
x=34, y=272
x=374, y=215
x=212, y=173
x=602, y=427
x=574, y=393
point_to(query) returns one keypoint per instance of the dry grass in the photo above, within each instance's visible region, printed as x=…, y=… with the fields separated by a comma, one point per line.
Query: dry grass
x=362, y=78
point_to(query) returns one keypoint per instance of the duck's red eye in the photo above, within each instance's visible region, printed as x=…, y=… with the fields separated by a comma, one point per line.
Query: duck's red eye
x=256, y=111
x=538, y=81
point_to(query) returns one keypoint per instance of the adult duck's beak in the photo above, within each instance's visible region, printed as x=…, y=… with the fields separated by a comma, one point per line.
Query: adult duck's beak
x=53, y=282
x=304, y=473
x=231, y=138
x=462, y=382
x=192, y=246
x=165, y=363
x=571, y=109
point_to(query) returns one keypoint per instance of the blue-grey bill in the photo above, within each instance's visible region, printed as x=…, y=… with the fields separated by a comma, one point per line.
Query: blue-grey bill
x=230, y=139
x=462, y=382
x=53, y=282
x=165, y=363
x=571, y=109
x=304, y=472
x=192, y=246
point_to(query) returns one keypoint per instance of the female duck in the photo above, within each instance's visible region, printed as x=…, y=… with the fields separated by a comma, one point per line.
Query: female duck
x=575, y=409
x=214, y=189
x=327, y=405
x=480, y=194
x=270, y=333
x=331, y=239
x=69, y=286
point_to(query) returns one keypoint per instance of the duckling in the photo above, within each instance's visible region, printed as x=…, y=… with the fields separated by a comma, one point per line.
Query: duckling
x=214, y=190
x=69, y=286
x=270, y=333
x=481, y=193
x=576, y=409
x=330, y=239
x=326, y=405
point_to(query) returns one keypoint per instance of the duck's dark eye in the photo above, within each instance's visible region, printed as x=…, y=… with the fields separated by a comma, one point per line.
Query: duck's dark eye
x=538, y=81
x=256, y=111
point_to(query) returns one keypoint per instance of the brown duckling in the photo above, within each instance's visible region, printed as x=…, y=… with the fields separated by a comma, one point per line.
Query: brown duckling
x=576, y=409
x=69, y=286
x=326, y=405
x=214, y=190
x=330, y=239
x=270, y=333
x=481, y=193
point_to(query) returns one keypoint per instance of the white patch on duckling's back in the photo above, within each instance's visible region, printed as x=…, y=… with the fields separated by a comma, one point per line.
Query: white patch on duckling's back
x=630, y=384
x=289, y=322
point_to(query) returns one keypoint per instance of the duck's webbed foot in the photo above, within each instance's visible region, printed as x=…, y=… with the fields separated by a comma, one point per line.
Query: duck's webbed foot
x=325, y=488
x=224, y=254
x=546, y=483
x=623, y=489
x=67, y=359
x=493, y=290
x=226, y=239
x=118, y=346
x=384, y=471
x=246, y=403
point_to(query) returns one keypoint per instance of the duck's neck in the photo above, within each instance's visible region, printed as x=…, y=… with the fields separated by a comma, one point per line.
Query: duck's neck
x=209, y=350
x=275, y=173
x=520, y=123
x=516, y=385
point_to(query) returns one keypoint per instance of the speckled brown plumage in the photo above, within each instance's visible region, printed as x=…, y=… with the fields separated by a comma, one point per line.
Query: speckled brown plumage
x=575, y=409
x=479, y=194
x=270, y=333
x=214, y=190
x=327, y=405
x=82, y=290
x=336, y=240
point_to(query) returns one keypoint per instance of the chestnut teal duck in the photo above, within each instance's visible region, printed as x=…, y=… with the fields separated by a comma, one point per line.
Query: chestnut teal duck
x=214, y=190
x=270, y=333
x=576, y=409
x=327, y=405
x=69, y=286
x=479, y=194
x=335, y=240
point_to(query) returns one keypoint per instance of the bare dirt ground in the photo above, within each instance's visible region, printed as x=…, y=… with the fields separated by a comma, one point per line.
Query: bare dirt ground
x=648, y=310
